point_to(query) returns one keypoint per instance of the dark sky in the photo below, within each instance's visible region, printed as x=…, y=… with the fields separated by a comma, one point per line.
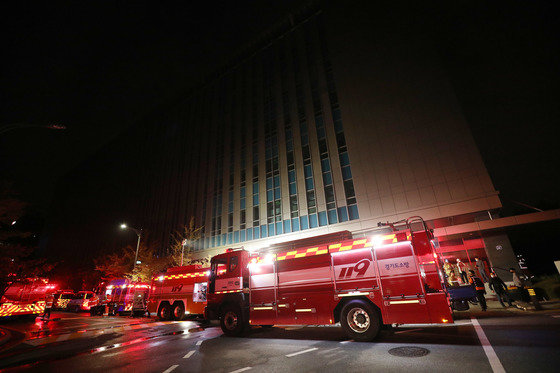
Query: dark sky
x=100, y=66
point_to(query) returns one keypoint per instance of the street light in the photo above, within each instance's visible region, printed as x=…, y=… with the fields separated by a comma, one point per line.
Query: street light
x=139, y=234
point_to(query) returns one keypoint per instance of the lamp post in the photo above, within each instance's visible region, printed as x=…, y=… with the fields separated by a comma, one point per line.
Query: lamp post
x=184, y=243
x=139, y=234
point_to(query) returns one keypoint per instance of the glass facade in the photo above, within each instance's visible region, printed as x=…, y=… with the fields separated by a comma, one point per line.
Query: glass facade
x=287, y=89
x=264, y=145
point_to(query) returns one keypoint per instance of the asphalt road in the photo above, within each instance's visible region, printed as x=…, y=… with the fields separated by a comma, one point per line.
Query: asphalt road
x=489, y=342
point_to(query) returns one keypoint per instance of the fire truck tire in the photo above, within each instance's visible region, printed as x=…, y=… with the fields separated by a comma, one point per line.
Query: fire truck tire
x=178, y=311
x=232, y=322
x=360, y=321
x=164, y=312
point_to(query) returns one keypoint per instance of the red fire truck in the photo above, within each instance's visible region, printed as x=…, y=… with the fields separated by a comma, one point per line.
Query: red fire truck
x=25, y=297
x=178, y=292
x=362, y=283
x=120, y=296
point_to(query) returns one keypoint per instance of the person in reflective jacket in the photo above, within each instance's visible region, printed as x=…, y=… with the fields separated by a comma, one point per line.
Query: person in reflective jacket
x=479, y=287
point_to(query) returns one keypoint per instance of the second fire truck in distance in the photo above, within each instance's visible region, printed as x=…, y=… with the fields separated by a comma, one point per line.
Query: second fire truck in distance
x=25, y=297
x=362, y=283
x=178, y=292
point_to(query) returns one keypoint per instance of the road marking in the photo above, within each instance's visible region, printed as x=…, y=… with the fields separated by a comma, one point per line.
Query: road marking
x=302, y=352
x=199, y=342
x=189, y=354
x=241, y=370
x=407, y=331
x=63, y=337
x=555, y=316
x=170, y=368
x=495, y=363
x=348, y=341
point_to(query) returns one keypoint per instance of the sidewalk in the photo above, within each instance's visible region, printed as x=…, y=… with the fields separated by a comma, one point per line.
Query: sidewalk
x=495, y=309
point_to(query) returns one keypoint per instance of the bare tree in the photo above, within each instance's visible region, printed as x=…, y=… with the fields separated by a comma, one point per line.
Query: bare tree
x=189, y=235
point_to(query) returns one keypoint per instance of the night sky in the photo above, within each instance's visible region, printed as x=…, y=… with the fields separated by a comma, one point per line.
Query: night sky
x=100, y=67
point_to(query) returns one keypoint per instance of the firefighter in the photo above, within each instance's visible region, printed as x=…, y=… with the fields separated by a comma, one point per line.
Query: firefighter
x=49, y=300
x=479, y=287
x=499, y=287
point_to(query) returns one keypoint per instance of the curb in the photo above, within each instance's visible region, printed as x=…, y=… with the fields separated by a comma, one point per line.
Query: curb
x=5, y=336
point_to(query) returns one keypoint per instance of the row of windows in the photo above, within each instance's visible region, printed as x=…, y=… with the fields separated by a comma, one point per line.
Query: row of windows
x=317, y=63
x=311, y=221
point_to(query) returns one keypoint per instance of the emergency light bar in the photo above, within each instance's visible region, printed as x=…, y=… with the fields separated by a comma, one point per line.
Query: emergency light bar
x=378, y=240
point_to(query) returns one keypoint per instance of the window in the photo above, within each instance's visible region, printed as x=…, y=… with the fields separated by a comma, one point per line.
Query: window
x=322, y=218
x=232, y=263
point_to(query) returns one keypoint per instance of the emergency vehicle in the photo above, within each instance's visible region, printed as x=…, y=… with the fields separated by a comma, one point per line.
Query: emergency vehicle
x=82, y=301
x=120, y=295
x=362, y=283
x=178, y=292
x=25, y=297
x=62, y=298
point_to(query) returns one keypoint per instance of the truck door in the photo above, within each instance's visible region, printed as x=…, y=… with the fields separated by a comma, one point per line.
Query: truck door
x=262, y=285
x=225, y=275
x=402, y=288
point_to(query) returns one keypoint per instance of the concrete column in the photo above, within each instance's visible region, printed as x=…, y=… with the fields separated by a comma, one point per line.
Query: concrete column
x=500, y=253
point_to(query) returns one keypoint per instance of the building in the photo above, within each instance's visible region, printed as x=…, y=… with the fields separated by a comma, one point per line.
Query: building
x=305, y=133
x=323, y=124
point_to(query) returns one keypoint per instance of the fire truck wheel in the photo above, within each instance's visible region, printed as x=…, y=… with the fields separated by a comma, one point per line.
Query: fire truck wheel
x=232, y=322
x=164, y=312
x=178, y=312
x=360, y=320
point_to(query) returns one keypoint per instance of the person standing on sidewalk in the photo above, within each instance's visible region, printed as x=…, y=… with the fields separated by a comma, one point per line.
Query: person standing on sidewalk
x=499, y=287
x=479, y=287
x=462, y=268
x=481, y=267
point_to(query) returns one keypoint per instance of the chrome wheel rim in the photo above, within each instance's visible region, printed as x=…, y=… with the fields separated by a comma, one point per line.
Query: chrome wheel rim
x=358, y=320
x=230, y=320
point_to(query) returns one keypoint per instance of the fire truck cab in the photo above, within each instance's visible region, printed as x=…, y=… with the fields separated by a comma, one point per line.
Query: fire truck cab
x=362, y=283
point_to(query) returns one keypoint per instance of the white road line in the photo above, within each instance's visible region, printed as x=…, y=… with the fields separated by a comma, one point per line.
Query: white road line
x=348, y=341
x=189, y=354
x=63, y=337
x=241, y=370
x=199, y=342
x=170, y=368
x=495, y=363
x=302, y=352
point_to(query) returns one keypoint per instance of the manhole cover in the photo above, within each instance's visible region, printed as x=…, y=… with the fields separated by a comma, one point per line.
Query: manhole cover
x=409, y=351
